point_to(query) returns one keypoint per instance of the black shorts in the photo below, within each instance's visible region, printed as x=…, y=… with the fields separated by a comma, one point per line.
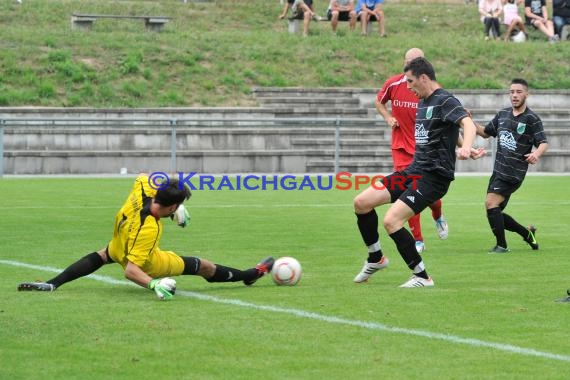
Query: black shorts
x=504, y=188
x=417, y=191
x=297, y=16
x=342, y=15
x=372, y=17
x=531, y=23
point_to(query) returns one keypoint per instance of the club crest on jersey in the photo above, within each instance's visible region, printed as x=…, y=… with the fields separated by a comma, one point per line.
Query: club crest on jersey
x=429, y=112
x=521, y=128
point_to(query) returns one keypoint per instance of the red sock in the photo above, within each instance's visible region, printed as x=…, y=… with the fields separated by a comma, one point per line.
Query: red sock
x=436, y=209
x=415, y=227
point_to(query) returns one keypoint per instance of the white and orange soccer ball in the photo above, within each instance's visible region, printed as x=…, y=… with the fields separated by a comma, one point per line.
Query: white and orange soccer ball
x=286, y=271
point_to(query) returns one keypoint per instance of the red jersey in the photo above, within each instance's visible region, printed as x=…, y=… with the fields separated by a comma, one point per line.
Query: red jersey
x=404, y=106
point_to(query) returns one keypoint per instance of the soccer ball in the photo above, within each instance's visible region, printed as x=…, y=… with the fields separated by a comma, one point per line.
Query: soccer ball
x=286, y=271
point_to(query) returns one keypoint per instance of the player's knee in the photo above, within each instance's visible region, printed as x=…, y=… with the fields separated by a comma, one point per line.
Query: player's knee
x=392, y=223
x=104, y=254
x=207, y=269
x=360, y=205
x=491, y=203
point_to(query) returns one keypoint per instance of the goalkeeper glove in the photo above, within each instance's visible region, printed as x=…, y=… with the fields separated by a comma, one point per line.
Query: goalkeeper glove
x=163, y=287
x=181, y=216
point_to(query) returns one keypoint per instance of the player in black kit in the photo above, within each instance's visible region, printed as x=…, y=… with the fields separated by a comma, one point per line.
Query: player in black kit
x=517, y=129
x=427, y=179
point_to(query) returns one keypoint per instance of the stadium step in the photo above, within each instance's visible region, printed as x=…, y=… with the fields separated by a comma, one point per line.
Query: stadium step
x=277, y=102
x=345, y=144
x=294, y=135
x=373, y=167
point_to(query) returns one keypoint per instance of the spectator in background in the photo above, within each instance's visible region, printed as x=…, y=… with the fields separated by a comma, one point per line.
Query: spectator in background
x=342, y=10
x=561, y=17
x=490, y=10
x=536, y=14
x=512, y=20
x=301, y=10
x=368, y=11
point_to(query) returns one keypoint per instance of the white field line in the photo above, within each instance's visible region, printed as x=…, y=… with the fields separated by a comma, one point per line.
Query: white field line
x=329, y=319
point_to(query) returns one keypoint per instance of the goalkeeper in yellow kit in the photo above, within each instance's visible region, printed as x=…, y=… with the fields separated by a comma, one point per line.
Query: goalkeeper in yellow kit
x=135, y=246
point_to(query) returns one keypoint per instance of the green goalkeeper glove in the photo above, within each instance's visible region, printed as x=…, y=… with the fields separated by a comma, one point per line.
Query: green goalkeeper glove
x=163, y=287
x=181, y=216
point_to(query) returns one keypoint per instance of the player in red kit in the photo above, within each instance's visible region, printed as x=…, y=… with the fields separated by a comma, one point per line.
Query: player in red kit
x=402, y=120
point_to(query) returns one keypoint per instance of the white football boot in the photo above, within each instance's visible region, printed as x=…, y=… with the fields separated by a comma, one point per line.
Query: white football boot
x=370, y=268
x=417, y=282
x=442, y=228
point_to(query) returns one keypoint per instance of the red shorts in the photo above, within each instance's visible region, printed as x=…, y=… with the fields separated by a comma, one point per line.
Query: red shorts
x=402, y=159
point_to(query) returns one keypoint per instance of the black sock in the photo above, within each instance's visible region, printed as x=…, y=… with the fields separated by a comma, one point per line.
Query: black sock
x=227, y=274
x=513, y=225
x=407, y=247
x=368, y=226
x=423, y=274
x=82, y=267
x=497, y=223
x=375, y=257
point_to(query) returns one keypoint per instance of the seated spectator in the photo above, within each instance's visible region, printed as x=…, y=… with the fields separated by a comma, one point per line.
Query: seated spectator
x=490, y=10
x=561, y=17
x=341, y=10
x=301, y=10
x=512, y=20
x=536, y=14
x=369, y=11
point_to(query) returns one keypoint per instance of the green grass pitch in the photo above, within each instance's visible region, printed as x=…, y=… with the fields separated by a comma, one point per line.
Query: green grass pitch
x=488, y=317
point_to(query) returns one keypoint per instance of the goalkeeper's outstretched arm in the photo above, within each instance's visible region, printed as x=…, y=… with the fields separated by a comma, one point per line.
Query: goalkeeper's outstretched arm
x=164, y=288
x=134, y=273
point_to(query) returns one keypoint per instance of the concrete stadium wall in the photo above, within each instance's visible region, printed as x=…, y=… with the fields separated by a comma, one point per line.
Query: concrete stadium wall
x=291, y=132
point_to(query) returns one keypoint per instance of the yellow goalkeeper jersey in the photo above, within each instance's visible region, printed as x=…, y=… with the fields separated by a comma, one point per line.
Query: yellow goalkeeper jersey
x=137, y=232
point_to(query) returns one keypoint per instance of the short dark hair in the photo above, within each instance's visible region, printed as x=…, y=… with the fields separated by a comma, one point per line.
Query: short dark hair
x=172, y=194
x=419, y=66
x=521, y=82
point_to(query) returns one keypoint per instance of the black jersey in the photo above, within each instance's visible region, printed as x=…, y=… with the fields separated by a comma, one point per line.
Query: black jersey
x=437, y=131
x=535, y=8
x=516, y=137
